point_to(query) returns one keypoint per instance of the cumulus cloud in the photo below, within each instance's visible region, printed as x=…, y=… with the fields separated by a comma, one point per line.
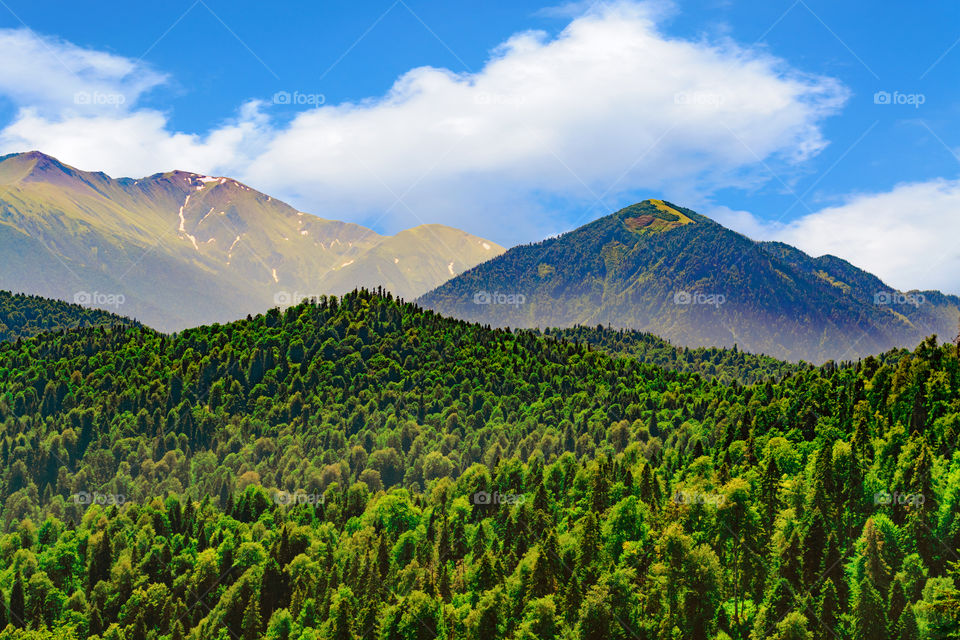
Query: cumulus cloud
x=55, y=77
x=609, y=106
x=137, y=143
x=906, y=236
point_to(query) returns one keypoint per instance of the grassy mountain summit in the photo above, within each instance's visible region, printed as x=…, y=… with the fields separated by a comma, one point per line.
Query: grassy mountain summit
x=661, y=268
x=183, y=249
x=361, y=467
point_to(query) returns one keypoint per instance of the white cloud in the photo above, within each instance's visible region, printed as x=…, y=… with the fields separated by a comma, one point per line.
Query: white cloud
x=136, y=143
x=55, y=77
x=906, y=236
x=608, y=106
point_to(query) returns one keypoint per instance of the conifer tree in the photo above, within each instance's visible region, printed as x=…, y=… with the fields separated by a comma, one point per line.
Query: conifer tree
x=869, y=617
x=906, y=628
x=17, y=603
x=828, y=612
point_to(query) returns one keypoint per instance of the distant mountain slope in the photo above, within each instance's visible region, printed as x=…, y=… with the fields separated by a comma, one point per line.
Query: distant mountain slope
x=725, y=365
x=658, y=267
x=184, y=249
x=400, y=259
x=23, y=316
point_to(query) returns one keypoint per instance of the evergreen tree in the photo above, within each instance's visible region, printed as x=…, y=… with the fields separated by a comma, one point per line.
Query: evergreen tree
x=17, y=603
x=828, y=612
x=906, y=628
x=869, y=618
x=250, y=627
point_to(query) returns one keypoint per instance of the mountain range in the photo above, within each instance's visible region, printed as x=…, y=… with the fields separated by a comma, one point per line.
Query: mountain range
x=658, y=267
x=180, y=249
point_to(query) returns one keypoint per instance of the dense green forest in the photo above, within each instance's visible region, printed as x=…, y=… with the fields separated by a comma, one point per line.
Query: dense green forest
x=361, y=468
x=726, y=365
x=22, y=316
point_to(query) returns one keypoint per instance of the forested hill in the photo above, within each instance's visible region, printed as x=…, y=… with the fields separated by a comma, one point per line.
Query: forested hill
x=725, y=365
x=360, y=468
x=659, y=267
x=22, y=316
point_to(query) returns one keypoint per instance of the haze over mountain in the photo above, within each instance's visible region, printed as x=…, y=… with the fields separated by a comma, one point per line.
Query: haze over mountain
x=662, y=268
x=179, y=249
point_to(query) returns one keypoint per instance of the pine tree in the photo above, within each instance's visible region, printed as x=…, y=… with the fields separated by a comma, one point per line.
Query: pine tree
x=17, y=603
x=876, y=568
x=100, y=561
x=250, y=627
x=443, y=586
x=869, y=618
x=814, y=545
x=896, y=602
x=341, y=623
x=542, y=579
x=922, y=517
x=769, y=492
x=828, y=612
x=906, y=628
x=823, y=480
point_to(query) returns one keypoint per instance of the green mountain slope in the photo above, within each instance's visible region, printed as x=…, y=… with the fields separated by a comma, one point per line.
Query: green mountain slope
x=183, y=249
x=22, y=316
x=661, y=268
x=725, y=365
x=364, y=468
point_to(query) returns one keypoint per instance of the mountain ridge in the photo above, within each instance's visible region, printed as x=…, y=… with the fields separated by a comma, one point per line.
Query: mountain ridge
x=697, y=284
x=185, y=249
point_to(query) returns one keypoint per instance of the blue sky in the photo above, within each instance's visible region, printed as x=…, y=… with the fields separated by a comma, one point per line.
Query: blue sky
x=762, y=115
